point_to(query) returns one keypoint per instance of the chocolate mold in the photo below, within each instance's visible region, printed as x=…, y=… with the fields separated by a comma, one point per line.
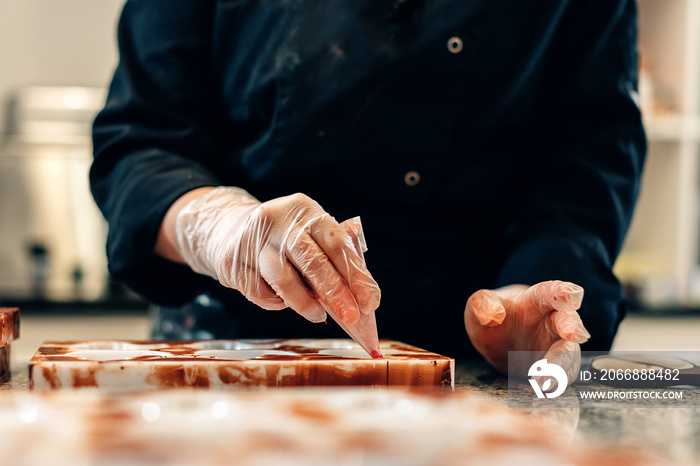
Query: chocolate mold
x=355, y=353
x=4, y=362
x=9, y=325
x=9, y=331
x=116, y=355
x=333, y=344
x=140, y=365
x=235, y=344
x=108, y=345
x=243, y=354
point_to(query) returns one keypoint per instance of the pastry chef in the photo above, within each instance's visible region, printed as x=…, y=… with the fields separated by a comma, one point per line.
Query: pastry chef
x=492, y=150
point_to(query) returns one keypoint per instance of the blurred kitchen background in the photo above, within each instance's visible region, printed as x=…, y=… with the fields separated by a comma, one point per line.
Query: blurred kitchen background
x=56, y=59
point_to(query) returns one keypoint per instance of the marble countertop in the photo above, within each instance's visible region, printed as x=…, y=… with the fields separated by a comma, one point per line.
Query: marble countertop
x=674, y=433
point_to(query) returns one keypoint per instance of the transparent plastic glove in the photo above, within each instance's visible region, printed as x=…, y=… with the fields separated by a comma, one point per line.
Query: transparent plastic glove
x=286, y=252
x=541, y=318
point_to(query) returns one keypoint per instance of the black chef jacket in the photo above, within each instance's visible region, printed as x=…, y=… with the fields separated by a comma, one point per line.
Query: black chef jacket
x=483, y=143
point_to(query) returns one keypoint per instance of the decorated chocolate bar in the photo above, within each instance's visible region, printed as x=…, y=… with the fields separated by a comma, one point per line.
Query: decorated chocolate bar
x=139, y=365
x=9, y=325
x=4, y=362
x=9, y=331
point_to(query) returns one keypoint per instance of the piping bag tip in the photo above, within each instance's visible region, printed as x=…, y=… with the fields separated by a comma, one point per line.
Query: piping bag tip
x=364, y=331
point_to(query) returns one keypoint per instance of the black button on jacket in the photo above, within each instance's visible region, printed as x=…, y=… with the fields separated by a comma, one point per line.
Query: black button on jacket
x=483, y=143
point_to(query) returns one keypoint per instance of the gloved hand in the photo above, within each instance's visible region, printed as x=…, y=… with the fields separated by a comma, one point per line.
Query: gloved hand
x=270, y=251
x=540, y=318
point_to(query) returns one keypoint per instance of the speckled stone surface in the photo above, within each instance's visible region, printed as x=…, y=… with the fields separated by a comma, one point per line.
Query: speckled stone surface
x=671, y=432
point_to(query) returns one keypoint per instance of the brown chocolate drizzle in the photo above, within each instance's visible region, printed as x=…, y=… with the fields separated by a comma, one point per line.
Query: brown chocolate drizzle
x=50, y=374
x=178, y=375
x=83, y=378
x=51, y=350
x=227, y=375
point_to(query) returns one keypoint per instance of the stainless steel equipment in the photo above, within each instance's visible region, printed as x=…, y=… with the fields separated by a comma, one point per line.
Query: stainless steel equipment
x=52, y=235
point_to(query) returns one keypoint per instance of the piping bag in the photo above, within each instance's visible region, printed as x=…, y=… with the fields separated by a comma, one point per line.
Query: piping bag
x=364, y=331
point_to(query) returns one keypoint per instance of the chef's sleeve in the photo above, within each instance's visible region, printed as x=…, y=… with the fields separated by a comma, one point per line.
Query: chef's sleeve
x=153, y=138
x=581, y=177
